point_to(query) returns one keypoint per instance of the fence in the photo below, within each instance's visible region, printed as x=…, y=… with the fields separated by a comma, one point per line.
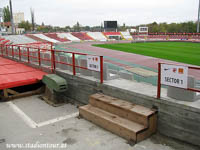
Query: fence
x=43, y=52
x=159, y=79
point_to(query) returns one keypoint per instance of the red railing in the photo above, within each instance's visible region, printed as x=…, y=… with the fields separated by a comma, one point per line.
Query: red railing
x=159, y=79
x=32, y=52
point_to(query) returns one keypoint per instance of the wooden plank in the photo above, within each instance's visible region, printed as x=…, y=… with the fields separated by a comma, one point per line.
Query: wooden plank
x=123, y=104
x=5, y=93
x=25, y=94
x=123, y=109
x=120, y=126
x=151, y=130
x=120, y=111
x=12, y=92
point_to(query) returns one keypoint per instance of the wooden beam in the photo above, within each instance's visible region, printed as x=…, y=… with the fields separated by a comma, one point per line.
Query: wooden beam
x=12, y=92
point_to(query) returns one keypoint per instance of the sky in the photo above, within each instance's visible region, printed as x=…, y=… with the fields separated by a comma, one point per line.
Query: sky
x=94, y=12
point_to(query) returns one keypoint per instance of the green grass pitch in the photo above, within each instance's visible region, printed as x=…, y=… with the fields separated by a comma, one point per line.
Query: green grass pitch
x=184, y=52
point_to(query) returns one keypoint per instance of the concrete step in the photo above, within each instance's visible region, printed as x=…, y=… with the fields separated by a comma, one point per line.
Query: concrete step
x=123, y=127
x=122, y=108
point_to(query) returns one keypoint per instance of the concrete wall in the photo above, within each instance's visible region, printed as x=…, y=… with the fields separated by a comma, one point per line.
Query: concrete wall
x=174, y=120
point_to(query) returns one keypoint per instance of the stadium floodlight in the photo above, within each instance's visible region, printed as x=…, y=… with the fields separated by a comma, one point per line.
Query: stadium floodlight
x=12, y=21
x=198, y=18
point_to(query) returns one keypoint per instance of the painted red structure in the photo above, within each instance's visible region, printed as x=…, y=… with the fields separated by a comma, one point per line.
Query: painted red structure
x=17, y=74
x=14, y=74
x=159, y=80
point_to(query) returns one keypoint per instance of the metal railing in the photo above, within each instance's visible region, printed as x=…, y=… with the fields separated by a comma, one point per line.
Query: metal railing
x=159, y=79
x=32, y=53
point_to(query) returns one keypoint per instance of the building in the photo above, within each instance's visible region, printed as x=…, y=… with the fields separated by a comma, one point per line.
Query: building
x=18, y=17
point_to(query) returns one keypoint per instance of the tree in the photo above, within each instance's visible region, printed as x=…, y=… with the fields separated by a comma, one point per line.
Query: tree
x=26, y=25
x=76, y=27
x=6, y=14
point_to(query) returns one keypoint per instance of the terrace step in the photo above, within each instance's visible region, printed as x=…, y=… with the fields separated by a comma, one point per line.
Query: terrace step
x=122, y=108
x=130, y=121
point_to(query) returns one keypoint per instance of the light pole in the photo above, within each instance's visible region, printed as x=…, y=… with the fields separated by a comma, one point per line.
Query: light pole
x=198, y=18
x=11, y=18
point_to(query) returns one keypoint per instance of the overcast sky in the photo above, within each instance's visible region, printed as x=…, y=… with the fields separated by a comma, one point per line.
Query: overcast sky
x=93, y=12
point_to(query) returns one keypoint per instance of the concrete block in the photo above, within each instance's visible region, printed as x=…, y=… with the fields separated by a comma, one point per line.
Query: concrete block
x=108, y=74
x=69, y=58
x=126, y=75
x=112, y=74
x=57, y=64
x=47, y=62
x=64, y=60
x=182, y=94
x=83, y=63
x=105, y=72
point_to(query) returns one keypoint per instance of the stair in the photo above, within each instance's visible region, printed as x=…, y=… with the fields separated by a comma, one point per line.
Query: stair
x=130, y=121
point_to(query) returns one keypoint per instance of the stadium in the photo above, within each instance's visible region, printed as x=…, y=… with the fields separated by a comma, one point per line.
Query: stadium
x=106, y=89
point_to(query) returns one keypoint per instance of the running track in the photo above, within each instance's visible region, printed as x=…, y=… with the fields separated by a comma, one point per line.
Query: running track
x=129, y=57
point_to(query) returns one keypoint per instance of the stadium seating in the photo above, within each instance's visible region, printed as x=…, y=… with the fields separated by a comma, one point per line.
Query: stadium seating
x=55, y=37
x=82, y=36
x=68, y=36
x=126, y=35
x=196, y=38
x=42, y=36
x=19, y=39
x=157, y=37
x=35, y=38
x=97, y=36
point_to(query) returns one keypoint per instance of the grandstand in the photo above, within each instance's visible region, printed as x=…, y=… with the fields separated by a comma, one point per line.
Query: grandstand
x=19, y=39
x=46, y=38
x=82, y=36
x=35, y=38
x=113, y=35
x=126, y=36
x=98, y=36
x=55, y=37
x=68, y=36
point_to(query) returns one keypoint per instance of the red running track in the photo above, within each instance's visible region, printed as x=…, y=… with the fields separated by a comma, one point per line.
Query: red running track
x=130, y=57
x=14, y=74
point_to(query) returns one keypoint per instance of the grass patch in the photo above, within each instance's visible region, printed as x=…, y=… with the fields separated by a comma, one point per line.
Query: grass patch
x=184, y=52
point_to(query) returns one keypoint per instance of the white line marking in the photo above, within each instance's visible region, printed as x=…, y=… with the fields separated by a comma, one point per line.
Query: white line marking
x=58, y=119
x=32, y=123
x=27, y=120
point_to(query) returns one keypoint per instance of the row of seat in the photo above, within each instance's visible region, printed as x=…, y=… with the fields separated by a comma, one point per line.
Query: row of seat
x=89, y=36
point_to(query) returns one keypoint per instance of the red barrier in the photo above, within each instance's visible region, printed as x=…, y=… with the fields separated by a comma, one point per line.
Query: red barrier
x=23, y=50
x=159, y=79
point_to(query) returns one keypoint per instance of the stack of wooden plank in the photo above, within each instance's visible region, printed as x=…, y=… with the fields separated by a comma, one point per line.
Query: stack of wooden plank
x=130, y=121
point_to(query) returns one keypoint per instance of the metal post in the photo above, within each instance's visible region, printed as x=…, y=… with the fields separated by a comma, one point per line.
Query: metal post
x=12, y=21
x=73, y=63
x=159, y=81
x=28, y=55
x=12, y=52
x=19, y=53
x=198, y=18
x=1, y=49
x=6, y=50
x=39, y=61
x=53, y=65
x=101, y=69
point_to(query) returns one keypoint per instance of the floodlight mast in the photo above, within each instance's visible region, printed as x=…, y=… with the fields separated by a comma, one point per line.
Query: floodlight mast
x=198, y=18
x=12, y=21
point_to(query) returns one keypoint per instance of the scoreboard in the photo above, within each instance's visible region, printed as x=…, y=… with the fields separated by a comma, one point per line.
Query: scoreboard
x=110, y=24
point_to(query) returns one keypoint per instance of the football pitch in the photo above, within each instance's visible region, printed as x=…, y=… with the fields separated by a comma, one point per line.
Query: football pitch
x=184, y=52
